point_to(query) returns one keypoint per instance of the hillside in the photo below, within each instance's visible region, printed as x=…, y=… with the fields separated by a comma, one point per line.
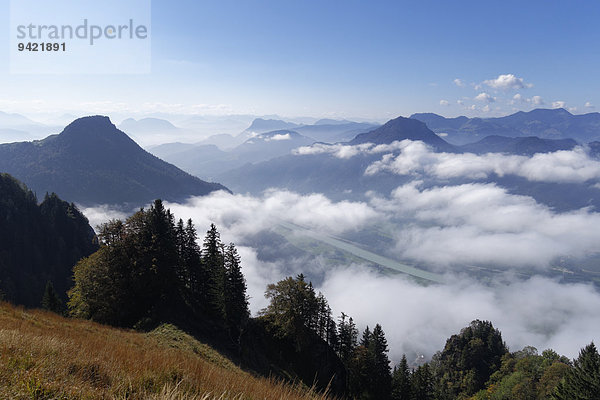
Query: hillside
x=39, y=243
x=45, y=356
x=92, y=162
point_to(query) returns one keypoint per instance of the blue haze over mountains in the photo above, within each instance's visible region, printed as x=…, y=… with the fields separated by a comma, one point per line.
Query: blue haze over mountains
x=92, y=162
x=262, y=156
x=544, y=123
x=345, y=178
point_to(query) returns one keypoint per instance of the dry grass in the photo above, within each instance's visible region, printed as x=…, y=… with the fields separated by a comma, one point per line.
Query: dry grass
x=45, y=356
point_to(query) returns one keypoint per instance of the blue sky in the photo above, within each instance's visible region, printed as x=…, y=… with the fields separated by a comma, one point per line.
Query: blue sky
x=354, y=59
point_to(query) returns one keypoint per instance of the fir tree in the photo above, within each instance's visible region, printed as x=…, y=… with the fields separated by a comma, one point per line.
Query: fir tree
x=213, y=263
x=366, y=337
x=378, y=349
x=582, y=382
x=236, y=301
x=348, y=338
x=401, y=381
x=50, y=300
x=422, y=384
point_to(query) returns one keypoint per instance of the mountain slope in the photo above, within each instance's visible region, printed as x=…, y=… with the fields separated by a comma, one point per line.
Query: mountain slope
x=39, y=243
x=92, y=162
x=45, y=356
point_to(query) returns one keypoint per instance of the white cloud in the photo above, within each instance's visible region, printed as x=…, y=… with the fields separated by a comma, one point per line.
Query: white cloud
x=279, y=137
x=507, y=81
x=518, y=98
x=415, y=158
x=565, y=321
x=344, y=151
x=102, y=214
x=537, y=100
x=483, y=224
x=485, y=97
x=460, y=102
x=242, y=215
x=589, y=105
x=559, y=104
x=486, y=108
x=458, y=82
x=444, y=103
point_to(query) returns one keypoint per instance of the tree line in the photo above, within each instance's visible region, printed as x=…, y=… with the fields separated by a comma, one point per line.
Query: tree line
x=475, y=364
x=150, y=267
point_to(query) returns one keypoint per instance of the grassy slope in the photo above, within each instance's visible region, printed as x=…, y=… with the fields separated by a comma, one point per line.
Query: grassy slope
x=45, y=356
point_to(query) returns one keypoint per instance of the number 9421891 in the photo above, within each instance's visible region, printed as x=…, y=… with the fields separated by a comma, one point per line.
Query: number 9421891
x=41, y=46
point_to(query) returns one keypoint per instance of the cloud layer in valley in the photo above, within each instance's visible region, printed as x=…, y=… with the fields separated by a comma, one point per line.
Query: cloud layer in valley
x=462, y=224
x=408, y=157
x=483, y=224
x=418, y=319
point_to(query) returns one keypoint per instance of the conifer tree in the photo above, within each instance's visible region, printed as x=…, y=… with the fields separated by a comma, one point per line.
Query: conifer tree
x=378, y=349
x=332, y=336
x=365, y=341
x=401, y=381
x=213, y=264
x=348, y=338
x=50, y=300
x=236, y=300
x=422, y=384
x=582, y=382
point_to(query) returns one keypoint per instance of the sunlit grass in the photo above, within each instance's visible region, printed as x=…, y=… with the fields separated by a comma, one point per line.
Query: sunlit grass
x=45, y=356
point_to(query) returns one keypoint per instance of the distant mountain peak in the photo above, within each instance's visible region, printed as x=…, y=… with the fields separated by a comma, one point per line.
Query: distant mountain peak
x=402, y=128
x=266, y=125
x=94, y=131
x=92, y=120
x=330, y=121
x=555, y=111
x=95, y=124
x=93, y=162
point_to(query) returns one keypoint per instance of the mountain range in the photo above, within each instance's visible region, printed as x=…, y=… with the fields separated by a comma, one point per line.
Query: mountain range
x=93, y=162
x=255, y=144
x=344, y=177
x=544, y=123
x=16, y=127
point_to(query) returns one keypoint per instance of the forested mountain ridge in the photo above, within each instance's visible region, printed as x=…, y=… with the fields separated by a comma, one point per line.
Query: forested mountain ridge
x=39, y=243
x=92, y=162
